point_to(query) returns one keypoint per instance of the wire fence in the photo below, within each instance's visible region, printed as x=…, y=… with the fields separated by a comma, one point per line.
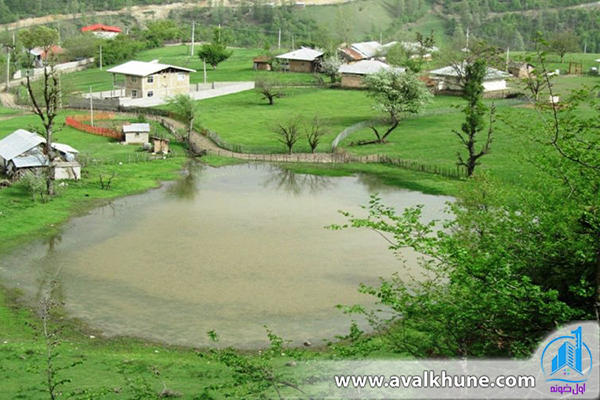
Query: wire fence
x=345, y=158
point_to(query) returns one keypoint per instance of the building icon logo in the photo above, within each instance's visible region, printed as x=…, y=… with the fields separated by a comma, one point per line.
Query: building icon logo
x=567, y=359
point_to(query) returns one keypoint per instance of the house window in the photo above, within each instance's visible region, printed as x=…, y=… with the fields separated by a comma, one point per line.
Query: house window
x=180, y=77
x=134, y=93
x=134, y=79
x=150, y=79
x=150, y=93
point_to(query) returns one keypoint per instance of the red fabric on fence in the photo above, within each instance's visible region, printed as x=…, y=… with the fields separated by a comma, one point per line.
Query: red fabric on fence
x=76, y=121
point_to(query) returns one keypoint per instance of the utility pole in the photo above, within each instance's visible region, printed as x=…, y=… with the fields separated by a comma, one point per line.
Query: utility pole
x=193, y=38
x=467, y=39
x=279, y=40
x=91, y=107
x=204, y=63
x=585, y=48
x=100, y=57
x=380, y=37
x=8, y=51
x=507, y=57
x=293, y=47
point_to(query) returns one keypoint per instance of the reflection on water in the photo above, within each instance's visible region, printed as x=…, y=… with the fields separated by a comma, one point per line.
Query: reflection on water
x=230, y=249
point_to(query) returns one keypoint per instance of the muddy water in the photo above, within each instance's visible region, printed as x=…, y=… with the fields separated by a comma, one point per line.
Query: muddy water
x=231, y=249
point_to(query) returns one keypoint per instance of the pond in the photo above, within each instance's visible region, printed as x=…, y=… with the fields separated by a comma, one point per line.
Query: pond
x=232, y=249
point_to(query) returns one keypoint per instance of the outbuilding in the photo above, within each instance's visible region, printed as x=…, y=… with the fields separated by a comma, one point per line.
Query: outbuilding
x=102, y=31
x=302, y=60
x=136, y=133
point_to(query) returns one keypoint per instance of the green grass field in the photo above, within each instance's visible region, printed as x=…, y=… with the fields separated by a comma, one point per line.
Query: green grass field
x=239, y=67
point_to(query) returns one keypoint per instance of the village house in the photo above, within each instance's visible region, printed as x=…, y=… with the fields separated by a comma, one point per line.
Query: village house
x=414, y=49
x=152, y=79
x=262, y=63
x=136, y=133
x=448, y=80
x=102, y=31
x=302, y=60
x=23, y=151
x=41, y=55
x=360, y=51
x=353, y=74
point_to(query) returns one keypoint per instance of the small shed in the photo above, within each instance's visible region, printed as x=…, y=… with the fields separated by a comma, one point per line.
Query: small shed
x=161, y=145
x=136, y=133
x=262, y=63
x=354, y=73
x=521, y=69
x=302, y=60
x=18, y=143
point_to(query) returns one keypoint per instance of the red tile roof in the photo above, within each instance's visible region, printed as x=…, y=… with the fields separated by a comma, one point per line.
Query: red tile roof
x=101, y=27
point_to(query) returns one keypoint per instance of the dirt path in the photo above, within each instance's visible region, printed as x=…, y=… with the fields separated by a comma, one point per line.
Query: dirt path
x=140, y=13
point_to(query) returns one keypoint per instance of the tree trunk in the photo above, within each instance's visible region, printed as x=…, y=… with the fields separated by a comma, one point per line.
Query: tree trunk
x=270, y=100
x=51, y=158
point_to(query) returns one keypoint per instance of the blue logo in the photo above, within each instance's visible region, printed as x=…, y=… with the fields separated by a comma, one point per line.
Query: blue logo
x=567, y=359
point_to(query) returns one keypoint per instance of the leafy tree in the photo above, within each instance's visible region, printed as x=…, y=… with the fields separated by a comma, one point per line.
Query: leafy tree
x=188, y=109
x=216, y=52
x=475, y=110
x=563, y=42
x=396, y=93
x=330, y=66
x=269, y=88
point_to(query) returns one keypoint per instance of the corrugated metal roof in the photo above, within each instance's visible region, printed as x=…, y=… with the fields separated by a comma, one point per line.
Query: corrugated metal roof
x=492, y=73
x=141, y=68
x=367, y=49
x=18, y=143
x=64, y=148
x=136, y=128
x=366, y=67
x=101, y=27
x=35, y=160
x=353, y=54
x=304, y=54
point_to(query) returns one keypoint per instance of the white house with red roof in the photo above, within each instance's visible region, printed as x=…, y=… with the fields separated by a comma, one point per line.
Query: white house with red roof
x=102, y=31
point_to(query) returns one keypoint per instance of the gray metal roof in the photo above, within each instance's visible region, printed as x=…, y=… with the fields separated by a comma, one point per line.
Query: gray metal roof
x=366, y=67
x=19, y=142
x=136, y=128
x=454, y=70
x=64, y=148
x=304, y=54
x=367, y=49
x=141, y=68
x=34, y=160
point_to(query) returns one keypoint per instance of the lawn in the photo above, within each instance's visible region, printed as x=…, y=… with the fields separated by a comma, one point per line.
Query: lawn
x=239, y=67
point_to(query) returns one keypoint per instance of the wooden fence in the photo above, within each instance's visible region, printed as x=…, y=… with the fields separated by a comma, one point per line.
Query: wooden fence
x=77, y=122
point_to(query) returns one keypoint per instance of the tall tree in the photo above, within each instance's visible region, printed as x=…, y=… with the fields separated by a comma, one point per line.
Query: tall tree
x=45, y=102
x=564, y=42
x=396, y=93
x=474, y=110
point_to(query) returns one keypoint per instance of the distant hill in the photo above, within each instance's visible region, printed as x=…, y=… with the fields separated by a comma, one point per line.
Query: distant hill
x=506, y=23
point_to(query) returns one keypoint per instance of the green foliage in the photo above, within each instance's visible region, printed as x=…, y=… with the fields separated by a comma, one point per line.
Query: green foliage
x=563, y=42
x=35, y=184
x=187, y=109
x=473, y=75
x=216, y=52
x=396, y=93
x=82, y=46
x=471, y=282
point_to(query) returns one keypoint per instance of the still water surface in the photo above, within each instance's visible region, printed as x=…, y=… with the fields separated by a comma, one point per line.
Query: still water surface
x=231, y=249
